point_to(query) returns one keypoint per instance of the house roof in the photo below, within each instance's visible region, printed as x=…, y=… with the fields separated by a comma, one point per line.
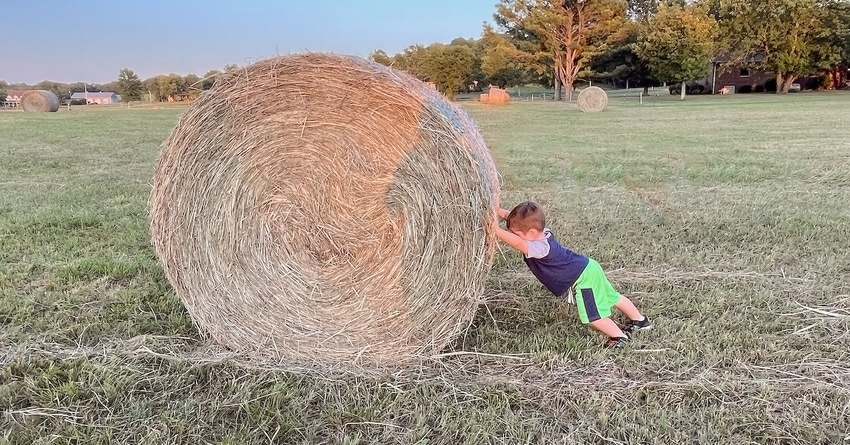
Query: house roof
x=15, y=93
x=103, y=94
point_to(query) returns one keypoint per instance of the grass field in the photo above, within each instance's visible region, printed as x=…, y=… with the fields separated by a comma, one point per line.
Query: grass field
x=725, y=218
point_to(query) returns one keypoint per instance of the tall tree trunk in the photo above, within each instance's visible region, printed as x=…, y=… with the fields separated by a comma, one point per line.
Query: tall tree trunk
x=569, y=81
x=684, y=90
x=789, y=80
x=557, y=88
x=779, y=83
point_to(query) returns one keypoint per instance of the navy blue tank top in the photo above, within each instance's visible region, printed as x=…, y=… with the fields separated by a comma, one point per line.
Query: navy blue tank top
x=559, y=269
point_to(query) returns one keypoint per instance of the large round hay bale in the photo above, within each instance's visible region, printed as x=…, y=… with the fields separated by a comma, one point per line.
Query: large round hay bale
x=39, y=101
x=592, y=99
x=328, y=209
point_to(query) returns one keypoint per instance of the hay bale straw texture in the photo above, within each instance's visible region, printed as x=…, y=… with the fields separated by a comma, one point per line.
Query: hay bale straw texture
x=324, y=208
x=592, y=99
x=39, y=101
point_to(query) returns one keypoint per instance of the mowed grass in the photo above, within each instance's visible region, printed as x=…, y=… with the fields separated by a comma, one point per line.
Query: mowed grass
x=726, y=219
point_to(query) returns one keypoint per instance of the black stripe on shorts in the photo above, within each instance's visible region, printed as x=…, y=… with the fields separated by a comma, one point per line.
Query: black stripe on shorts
x=590, y=305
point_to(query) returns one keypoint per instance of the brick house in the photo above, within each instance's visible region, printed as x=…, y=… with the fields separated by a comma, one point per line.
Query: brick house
x=737, y=79
x=727, y=79
x=104, y=97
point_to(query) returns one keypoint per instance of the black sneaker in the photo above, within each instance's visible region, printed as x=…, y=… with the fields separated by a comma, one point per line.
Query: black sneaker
x=642, y=325
x=616, y=342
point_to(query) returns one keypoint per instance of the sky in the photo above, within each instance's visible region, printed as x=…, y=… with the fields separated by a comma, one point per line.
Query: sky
x=90, y=41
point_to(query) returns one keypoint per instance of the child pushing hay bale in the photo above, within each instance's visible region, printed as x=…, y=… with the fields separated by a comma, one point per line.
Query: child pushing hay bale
x=39, y=101
x=324, y=208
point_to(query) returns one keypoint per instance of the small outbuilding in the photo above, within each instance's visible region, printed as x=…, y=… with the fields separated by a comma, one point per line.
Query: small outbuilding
x=102, y=98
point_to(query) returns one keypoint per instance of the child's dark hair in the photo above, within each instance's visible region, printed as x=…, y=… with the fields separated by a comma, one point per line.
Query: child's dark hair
x=526, y=216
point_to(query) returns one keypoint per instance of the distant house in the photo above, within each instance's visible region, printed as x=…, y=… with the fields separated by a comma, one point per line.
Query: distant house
x=104, y=97
x=13, y=98
x=745, y=77
x=728, y=79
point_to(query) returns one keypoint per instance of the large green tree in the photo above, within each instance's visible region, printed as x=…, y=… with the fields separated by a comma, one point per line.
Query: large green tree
x=194, y=85
x=166, y=86
x=841, y=13
x=477, y=79
x=450, y=67
x=642, y=10
x=501, y=62
x=380, y=56
x=678, y=43
x=152, y=89
x=129, y=86
x=787, y=37
x=209, y=79
x=411, y=59
x=832, y=51
x=569, y=32
x=622, y=65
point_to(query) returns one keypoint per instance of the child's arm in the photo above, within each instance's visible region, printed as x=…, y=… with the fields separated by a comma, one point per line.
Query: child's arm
x=503, y=214
x=511, y=238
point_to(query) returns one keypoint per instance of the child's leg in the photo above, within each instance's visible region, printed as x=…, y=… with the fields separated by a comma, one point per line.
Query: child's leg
x=608, y=327
x=629, y=309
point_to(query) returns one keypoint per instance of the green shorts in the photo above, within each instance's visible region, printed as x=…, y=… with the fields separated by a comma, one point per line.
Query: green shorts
x=595, y=296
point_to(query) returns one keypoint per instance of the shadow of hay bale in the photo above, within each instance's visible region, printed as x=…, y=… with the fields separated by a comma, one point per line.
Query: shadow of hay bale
x=328, y=209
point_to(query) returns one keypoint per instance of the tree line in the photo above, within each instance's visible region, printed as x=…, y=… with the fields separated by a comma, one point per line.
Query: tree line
x=638, y=43
x=159, y=88
x=557, y=43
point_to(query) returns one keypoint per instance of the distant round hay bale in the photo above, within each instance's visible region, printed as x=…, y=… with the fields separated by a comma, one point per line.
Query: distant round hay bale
x=327, y=209
x=592, y=99
x=39, y=101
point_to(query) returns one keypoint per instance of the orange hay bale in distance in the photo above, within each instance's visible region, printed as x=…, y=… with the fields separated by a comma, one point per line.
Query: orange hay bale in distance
x=498, y=96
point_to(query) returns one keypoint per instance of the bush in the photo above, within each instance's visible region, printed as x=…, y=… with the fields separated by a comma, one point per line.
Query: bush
x=770, y=85
x=745, y=89
x=696, y=89
x=759, y=89
x=692, y=88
